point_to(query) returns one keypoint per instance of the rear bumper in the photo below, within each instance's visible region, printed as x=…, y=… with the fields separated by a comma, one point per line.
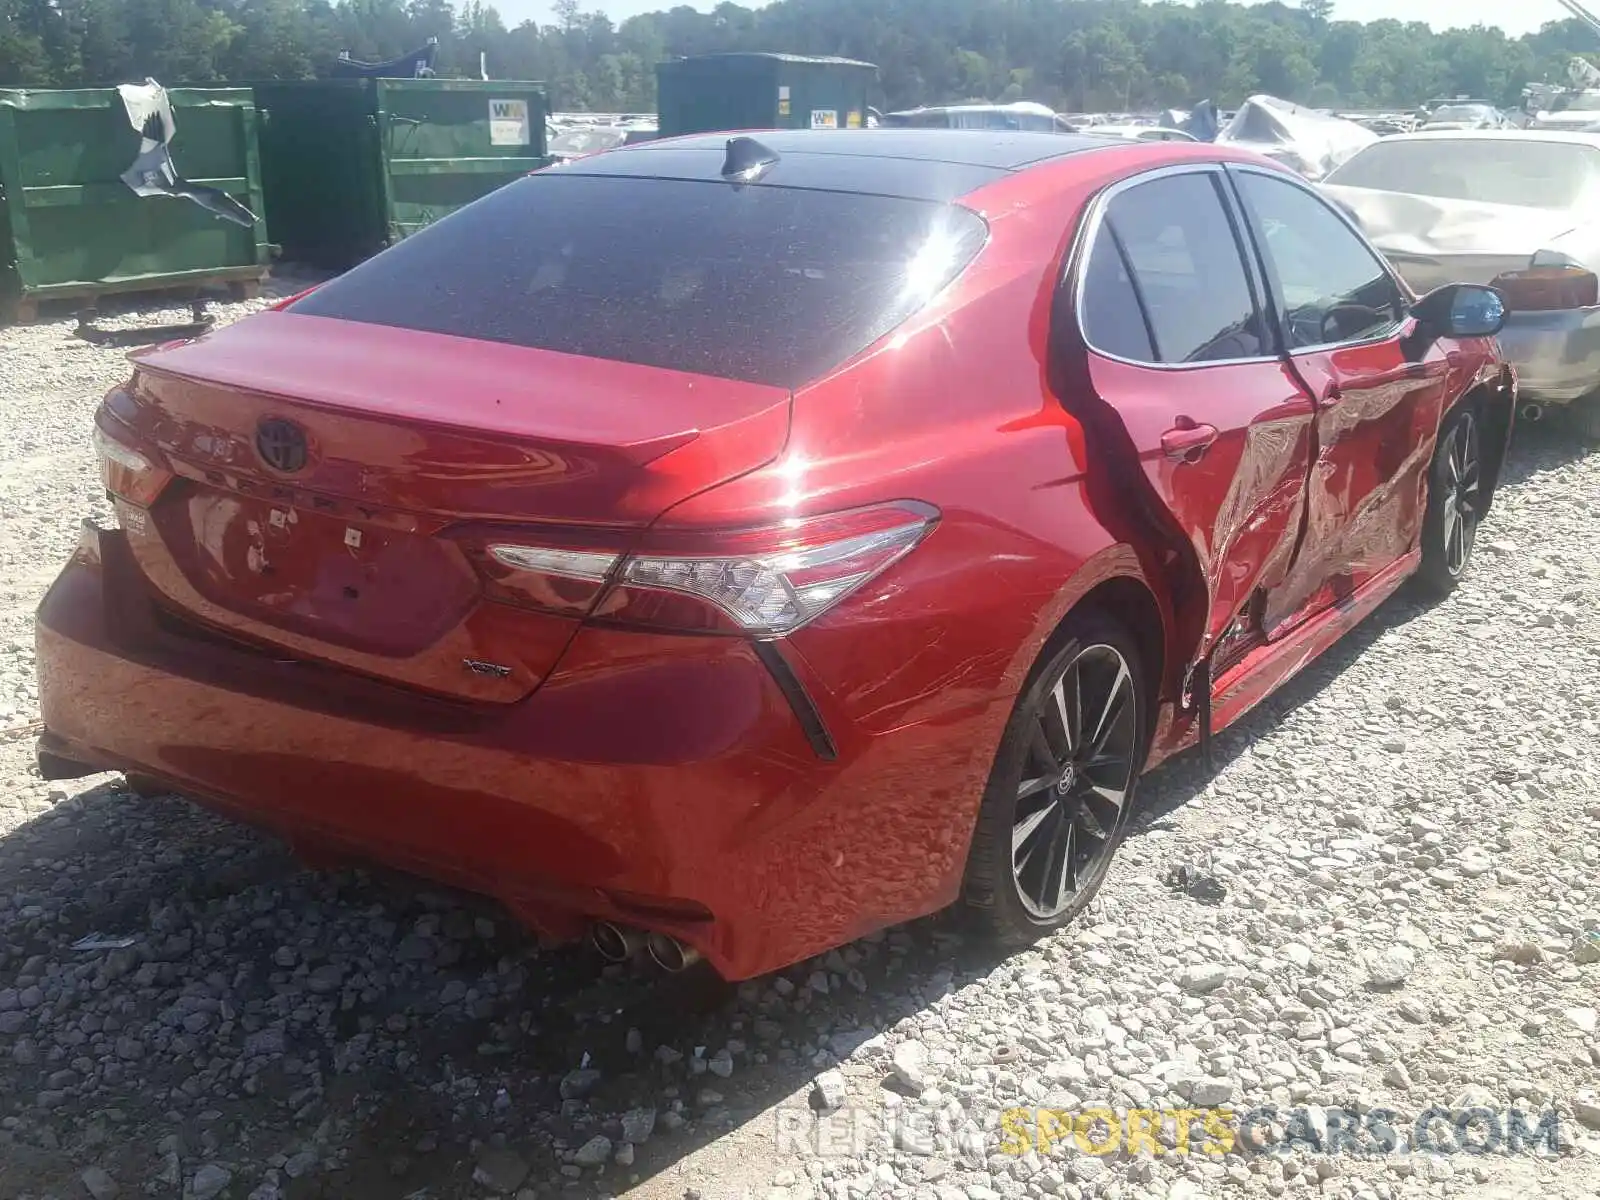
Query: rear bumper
x=659, y=781
x=1557, y=354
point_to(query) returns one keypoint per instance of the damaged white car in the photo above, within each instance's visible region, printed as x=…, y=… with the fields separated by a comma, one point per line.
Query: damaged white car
x=1518, y=209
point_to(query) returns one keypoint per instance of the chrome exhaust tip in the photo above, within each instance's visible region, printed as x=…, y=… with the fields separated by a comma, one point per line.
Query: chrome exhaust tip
x=615, y=943
x=1532, y=412
x=670, y=954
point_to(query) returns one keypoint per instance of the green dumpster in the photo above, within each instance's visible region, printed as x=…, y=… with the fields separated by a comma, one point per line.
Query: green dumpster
x=711, y=93
x=70, y=228
x=352, y=165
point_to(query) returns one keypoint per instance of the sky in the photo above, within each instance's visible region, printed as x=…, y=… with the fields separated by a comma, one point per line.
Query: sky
x=1515, y=19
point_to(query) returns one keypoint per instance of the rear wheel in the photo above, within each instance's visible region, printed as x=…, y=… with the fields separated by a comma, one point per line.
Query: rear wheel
x=1583, y=416
x=1062, y=786
x=1455, y=502
x=145, y=787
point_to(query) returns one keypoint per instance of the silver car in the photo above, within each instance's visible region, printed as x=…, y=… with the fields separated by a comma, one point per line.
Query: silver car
x=1518, y=209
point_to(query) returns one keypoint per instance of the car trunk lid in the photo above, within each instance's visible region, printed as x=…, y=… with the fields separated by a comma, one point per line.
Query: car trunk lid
x=408, y=438
x=1433, y=241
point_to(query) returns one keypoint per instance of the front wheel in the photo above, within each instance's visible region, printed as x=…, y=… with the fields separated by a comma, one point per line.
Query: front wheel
x=1455, y=503
x=1062, y=786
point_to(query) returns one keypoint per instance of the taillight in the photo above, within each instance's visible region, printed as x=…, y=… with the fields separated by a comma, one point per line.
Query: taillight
x=760, y=582
x=130, y=473
x=1546, y=288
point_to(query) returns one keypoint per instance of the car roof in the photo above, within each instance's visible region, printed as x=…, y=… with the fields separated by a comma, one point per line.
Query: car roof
x=921, y=164
x=1571, y=136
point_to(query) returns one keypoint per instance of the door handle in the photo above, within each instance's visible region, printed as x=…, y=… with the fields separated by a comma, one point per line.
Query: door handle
x=1187, y=441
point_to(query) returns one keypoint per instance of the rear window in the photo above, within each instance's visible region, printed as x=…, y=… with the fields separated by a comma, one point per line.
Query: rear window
x=1524, y=172
x=765, y=284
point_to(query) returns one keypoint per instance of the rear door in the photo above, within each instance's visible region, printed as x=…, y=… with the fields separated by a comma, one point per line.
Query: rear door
x=1184, y=353
x=1378, y=403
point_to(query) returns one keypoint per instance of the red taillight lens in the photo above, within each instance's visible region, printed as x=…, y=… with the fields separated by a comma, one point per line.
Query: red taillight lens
x=760, y=582
x=130, y=473
x=1543, y=289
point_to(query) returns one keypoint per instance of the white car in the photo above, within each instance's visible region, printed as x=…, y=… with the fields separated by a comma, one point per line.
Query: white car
x=1517, y=209
x=1141, y=133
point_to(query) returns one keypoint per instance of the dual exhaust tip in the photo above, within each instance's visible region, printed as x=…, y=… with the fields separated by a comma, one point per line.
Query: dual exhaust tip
x=619, y=943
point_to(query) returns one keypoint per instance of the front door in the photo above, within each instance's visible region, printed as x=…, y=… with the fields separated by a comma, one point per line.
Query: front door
x=1344, y=323
x=1181, y=350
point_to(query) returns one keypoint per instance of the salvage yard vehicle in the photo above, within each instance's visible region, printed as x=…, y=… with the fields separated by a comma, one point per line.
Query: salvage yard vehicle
x=801, y=534
x=1141, y=133
x=1519, y=210
x=1471, y=114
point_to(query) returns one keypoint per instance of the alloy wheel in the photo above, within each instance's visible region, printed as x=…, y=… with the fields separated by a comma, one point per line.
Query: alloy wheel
x=1077, y=774
x=1463, y=471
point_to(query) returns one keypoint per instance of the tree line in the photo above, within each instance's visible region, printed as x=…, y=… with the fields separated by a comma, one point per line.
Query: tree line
x=1076, y=55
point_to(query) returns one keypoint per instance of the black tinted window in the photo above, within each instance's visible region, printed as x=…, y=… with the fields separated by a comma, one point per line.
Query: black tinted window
x=1112, y=319
x=1186, y=266
x=1334, y=288
x=771, y=285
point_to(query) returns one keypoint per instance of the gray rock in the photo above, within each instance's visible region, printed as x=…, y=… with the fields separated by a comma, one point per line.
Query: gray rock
x=576, y=1085
x=501, y=1171
x=1586, y=1107
x=1201, y=978
x=1204, y=1089
x=99, y=1184
x=1584, y=1019
x=846, y=1042
x=910, y=1067
x=1586, y=949
x=596, y=1152
x=326, y=979
x=638, y=1124
x=210, y=1180
x=828, y=1091
x=721, y=1064
x=266, y=1043
x=1392, y=967
x=624, y=1155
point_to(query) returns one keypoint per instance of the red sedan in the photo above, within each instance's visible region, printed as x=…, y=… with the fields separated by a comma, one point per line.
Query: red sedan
x=736, y=546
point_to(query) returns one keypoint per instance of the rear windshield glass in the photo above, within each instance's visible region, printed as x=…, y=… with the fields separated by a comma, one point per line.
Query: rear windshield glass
x=766, y=284
x=1528, y=173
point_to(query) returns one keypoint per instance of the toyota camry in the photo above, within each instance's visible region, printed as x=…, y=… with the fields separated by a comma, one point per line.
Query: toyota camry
x=726, y=547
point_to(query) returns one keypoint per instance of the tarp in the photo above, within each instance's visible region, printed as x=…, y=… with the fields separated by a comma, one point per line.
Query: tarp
x=416, y=65
x=1310, y=142
x=152, y=173
x=1200, y=122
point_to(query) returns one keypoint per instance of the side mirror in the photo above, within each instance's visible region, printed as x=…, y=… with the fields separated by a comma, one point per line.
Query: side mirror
x=1461, y=310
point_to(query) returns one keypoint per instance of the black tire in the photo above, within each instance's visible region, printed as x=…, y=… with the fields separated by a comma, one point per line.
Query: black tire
x=1455, y=502
x=1583, y=418
x=1003, y=898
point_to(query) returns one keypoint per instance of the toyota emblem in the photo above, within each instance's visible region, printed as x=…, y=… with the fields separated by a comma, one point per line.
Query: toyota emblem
x=281, y=444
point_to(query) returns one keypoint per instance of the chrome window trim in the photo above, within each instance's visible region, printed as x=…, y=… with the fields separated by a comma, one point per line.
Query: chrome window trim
x=1384, y=265
x=1083, y=246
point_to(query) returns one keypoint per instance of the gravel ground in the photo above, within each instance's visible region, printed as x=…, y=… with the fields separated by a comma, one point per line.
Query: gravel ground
x=1392, y=905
